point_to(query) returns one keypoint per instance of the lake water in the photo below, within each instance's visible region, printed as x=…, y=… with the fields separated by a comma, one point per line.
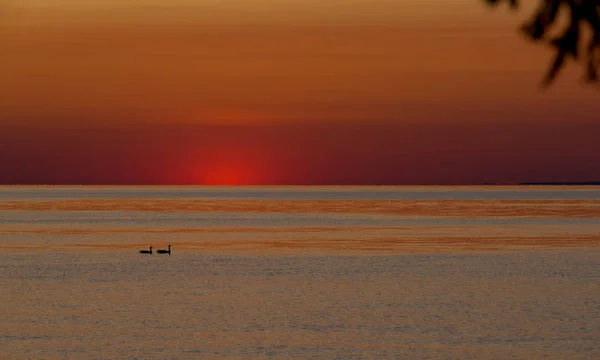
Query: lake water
x=300, y=272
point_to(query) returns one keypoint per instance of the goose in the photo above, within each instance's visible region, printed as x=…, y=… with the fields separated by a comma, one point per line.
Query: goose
x=146, y=251
x=164, y=251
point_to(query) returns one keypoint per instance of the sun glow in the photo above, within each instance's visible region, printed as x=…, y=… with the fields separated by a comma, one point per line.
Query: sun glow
x=227, y=174
x=231, y=167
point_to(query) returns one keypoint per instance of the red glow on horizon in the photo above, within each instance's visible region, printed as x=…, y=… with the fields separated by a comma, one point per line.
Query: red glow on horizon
x=225, y=174
x=231, y=167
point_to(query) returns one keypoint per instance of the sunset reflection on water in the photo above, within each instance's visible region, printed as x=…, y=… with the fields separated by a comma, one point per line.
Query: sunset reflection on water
x=294, y=276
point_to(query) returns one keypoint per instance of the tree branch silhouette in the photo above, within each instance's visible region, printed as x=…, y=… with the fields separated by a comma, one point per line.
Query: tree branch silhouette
x=582, y=13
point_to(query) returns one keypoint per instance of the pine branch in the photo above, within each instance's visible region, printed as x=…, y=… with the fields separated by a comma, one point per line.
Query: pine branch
x=584, y=14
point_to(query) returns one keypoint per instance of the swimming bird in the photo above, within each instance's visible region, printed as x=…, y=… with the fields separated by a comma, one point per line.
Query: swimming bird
x=146, y=251
x=164, y=251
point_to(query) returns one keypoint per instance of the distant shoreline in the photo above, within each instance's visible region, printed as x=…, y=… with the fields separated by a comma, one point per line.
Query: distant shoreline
x=551, y=183
x=562, y=183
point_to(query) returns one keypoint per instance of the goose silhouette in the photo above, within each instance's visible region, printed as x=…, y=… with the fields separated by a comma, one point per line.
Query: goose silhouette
x=164, y=251
x=146, y=251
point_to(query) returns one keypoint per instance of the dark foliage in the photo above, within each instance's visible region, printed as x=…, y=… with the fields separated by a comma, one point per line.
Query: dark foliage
x=582, y=14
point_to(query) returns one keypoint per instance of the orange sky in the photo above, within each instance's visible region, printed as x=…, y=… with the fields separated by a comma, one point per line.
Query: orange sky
x=85, y=70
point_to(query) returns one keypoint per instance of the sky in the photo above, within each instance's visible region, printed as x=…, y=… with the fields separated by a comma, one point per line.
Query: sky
x=232, y=92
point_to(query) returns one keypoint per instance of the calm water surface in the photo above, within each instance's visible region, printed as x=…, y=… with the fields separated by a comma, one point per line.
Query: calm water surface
x=302, y=192
x=306, y=273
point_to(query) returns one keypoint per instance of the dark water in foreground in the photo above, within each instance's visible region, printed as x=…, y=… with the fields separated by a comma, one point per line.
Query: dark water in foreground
x=106, y=305
x=304, y=273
